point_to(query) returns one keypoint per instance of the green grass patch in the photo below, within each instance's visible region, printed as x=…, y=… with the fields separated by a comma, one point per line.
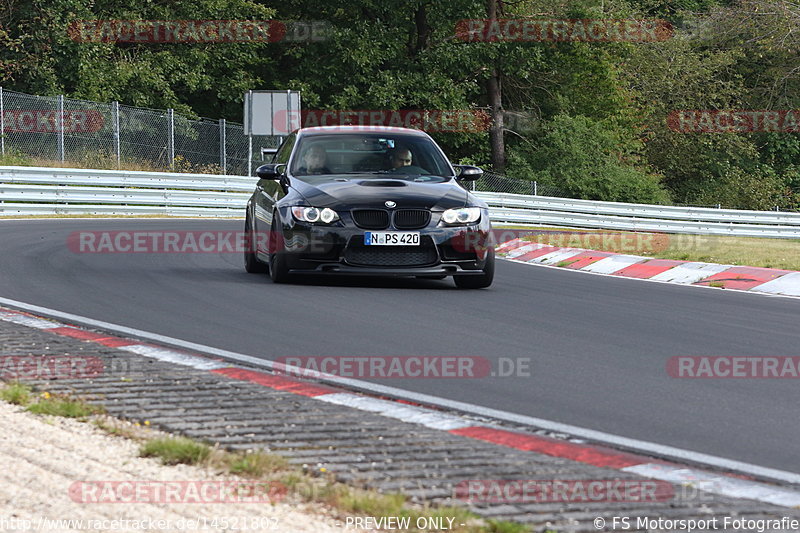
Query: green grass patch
x=176, y=450
x=567, y=263
x=16, y=393
x=46, y=404
x=64, y=406
x=256, y=464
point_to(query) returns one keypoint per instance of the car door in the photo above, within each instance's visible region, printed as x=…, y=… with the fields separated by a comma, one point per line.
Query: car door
x=268, y=192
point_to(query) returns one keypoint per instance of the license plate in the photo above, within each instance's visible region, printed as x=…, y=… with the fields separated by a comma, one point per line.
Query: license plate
x=391, y=238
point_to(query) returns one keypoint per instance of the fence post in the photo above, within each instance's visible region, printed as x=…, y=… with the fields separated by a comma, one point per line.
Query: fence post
x=2, y=124
x=115, y=117
x=61, y=127
x=249, y=133
x=250, y=155
x=535, y=188
x=171, y=140
x=223, y=156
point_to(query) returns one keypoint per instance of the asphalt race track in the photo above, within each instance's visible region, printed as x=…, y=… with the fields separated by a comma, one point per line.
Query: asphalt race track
x=598, y=345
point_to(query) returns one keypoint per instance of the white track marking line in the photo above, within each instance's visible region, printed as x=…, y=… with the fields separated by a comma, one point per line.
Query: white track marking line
x=788, y=285
x=559, y=255
x=614, y=263
x=406, y=413
x=725, y=485
x=172, y=356
x=689, y=273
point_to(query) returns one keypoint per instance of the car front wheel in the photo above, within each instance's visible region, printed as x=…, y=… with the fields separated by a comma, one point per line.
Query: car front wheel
x=251, y=262
x=478, y=281
x=278, y=269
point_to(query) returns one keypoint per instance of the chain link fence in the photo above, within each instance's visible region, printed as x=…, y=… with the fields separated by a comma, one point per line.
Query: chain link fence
x=492, y=182
x=46, y=129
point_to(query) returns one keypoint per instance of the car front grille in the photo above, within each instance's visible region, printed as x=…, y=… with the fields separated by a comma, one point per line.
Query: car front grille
x=425, y=254
x=371, y=218
x=411, y=218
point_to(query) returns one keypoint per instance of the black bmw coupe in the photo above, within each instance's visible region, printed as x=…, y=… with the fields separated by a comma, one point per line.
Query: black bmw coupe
x=369, y=201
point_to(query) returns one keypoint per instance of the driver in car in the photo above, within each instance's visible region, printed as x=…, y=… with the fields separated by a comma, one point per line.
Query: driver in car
x=315, y=161
x=401, y=157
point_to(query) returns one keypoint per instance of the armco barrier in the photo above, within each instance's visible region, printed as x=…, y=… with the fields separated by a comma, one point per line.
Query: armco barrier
x=42, y=191
x=542, y=210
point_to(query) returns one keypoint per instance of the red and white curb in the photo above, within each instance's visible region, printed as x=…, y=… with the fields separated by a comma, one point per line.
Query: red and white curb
x=752, y=279
x=736, y=486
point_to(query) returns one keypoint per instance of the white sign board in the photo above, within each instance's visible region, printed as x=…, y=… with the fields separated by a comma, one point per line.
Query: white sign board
x=271, y=112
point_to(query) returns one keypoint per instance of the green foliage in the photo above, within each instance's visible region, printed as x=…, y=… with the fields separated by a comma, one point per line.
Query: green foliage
x=591, y=160
x=760, y=188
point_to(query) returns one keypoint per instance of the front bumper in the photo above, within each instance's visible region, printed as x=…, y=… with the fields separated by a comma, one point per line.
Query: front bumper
x=339, y=249
x=343, y=269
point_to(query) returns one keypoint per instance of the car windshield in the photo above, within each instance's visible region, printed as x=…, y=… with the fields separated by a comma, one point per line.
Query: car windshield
x=411, y=157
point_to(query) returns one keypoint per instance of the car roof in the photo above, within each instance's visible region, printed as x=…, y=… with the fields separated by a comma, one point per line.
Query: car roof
x=328, y=130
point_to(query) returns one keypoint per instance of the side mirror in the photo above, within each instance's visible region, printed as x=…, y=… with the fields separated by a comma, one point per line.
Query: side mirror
x=467, y=172
x=270, y=171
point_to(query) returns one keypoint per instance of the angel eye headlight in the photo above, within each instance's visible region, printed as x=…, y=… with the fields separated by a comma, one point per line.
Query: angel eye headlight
x=462, y=215
x=314, y=214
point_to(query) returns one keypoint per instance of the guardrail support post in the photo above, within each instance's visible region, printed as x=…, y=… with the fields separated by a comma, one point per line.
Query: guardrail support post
x=171, y=140
x=223, y=156
x=115, y=118
x=61, y=127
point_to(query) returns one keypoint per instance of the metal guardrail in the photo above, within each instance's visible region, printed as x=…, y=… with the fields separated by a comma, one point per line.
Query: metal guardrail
x=42, y=191
x=699, y=214
x=541, y=210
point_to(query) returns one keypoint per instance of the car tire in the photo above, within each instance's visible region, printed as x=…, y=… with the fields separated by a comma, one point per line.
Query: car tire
x=278, y=269
x=251, y=263
x=478, y=281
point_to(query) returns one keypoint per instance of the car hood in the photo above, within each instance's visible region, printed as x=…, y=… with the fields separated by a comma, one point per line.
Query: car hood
x=347, y=192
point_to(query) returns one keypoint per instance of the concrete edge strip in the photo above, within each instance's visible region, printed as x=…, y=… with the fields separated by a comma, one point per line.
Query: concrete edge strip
x=785, y=283
x=592, y=454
